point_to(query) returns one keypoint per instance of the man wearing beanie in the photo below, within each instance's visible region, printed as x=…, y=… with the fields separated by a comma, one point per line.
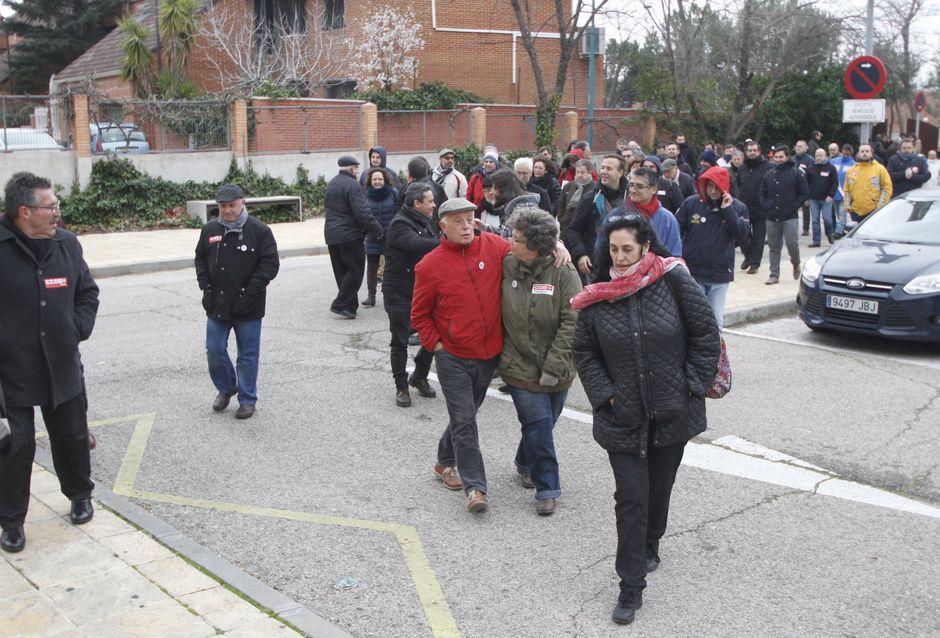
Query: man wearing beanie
x=708, y=159
x=348, y=219
x=236, y=259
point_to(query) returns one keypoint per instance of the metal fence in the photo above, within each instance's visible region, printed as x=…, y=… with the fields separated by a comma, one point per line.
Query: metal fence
x=607, y=130
x=423, y=131
x=34, y=122
x=286, y=126
x=159, y=126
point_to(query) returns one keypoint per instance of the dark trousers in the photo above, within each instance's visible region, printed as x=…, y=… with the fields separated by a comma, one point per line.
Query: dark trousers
x=754, y=251
x=807, y=217
x=349, y=265
x=464, y=383
x=68, y=435
x=643, y=490
x=398, y=308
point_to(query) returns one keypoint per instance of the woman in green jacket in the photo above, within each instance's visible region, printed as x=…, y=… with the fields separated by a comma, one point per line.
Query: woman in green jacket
x=536, y=361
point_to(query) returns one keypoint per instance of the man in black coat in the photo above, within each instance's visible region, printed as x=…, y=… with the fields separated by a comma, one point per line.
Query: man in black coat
x=823, y=181
x=750, y=177
x=782, y=193
x=411, y=236
x=588, y=220
x=236, y=259
x=49, y=304
x=684, y=182
x=348, y=219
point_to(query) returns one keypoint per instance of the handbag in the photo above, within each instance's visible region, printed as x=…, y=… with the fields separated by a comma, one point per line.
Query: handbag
x=721, y=384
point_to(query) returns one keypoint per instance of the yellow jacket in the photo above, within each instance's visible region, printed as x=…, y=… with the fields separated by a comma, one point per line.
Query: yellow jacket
x=867, y=187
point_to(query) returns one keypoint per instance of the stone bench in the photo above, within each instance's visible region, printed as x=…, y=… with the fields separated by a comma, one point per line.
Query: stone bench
x=200, y=207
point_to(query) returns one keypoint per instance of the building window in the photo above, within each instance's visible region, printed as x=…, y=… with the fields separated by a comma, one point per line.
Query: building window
x=334, y=14
x=274, y=18
x=339, y=89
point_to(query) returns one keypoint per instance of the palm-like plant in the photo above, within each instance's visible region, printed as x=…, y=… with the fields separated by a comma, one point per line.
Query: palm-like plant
x=178, y=25
x=137, y=64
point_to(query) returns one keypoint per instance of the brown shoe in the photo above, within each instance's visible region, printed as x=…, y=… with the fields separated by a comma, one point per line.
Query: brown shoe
x=752, y=270
x=796, y=271
x=526, y=481
x=545, y=507
x=773, y=279
x=476, y=502
x=448, y=476
x=92, y=441
x=745, y=265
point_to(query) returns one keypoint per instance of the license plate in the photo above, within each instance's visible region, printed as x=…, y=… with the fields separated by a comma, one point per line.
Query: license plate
x=852, y=304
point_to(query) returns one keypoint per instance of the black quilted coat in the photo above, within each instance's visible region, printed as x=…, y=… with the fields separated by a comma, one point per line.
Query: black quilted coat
x=655, y=357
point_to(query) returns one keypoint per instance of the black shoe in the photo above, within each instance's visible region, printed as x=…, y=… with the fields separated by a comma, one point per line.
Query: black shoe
x=652, y=564
x=221, y=401
x=837, y=235
x=745, y=265
x=245, y=411
x=414, y=340
x=345, y=314
x=13, y=539
x=82, y=511
x=422, y=386
x=815, y=245
x=403, y=398
x=626, y=607
x=369, y=300
x=504, y=389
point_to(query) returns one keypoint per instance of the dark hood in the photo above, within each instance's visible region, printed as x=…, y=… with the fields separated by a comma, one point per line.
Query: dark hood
x=381, y=151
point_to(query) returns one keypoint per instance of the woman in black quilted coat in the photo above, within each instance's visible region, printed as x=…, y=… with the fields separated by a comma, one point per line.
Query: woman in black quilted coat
x=646, y=346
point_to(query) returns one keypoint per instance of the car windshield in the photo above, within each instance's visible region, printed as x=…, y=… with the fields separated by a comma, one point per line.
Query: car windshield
x=117, y=135
x=904, y=220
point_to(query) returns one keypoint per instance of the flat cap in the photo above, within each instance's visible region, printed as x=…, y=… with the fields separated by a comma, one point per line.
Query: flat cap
x=229, y=193
x=455, y=205
x=346, y=161
x=446, y=151
x=668, y=164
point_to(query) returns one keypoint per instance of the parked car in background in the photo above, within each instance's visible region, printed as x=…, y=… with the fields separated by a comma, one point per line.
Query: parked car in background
x=882, y=278
x=27, y=139
x=118, y=138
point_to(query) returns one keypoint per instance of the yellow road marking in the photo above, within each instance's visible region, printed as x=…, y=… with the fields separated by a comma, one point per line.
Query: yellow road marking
x=429, y=591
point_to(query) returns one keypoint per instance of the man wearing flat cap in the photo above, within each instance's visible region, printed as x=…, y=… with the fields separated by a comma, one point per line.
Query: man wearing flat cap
x=236, y=259
x=451, y=180
x=348, y=219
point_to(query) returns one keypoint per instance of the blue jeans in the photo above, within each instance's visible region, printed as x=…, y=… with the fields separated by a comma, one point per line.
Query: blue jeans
x=817, y=206
x=248, y=342
x=538, y=412
x=838, y=208
x=717, y=295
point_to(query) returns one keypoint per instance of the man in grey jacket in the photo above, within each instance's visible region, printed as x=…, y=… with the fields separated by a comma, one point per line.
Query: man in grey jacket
x=348, y=219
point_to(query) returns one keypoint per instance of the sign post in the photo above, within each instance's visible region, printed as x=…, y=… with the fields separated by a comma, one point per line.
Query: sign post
x=920, y=104
x=865, y=77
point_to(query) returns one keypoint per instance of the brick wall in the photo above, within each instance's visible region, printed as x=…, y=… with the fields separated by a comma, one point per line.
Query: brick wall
x=302, y=124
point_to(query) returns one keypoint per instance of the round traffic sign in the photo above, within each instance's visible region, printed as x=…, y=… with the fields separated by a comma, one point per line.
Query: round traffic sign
x=865, y=77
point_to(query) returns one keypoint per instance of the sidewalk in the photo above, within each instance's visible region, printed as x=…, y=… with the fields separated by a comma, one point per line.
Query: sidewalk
x=110, y=578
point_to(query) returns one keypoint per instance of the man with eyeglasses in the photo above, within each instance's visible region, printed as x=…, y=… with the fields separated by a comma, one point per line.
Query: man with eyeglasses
x=642, y=200
x=49, y=305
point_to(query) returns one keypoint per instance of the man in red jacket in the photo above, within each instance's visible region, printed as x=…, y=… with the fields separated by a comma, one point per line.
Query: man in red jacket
x=456, y=311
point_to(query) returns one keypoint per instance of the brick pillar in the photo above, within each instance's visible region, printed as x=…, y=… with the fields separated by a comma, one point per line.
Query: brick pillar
x=571, y=126
x=369, y=126
x=478, y=127
x=81, y=137
x=650, y=131
x=239, y=128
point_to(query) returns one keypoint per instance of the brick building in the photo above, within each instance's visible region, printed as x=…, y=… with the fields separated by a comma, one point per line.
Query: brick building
x=471, y=46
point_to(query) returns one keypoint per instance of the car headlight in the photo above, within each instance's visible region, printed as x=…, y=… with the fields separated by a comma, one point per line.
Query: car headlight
x=923, y=285
x=811, y=270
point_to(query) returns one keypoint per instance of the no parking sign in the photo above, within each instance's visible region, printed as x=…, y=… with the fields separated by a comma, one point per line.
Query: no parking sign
x=865, y=77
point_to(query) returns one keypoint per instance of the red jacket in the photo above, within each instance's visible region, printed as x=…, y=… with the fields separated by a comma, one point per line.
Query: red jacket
x=457, y=297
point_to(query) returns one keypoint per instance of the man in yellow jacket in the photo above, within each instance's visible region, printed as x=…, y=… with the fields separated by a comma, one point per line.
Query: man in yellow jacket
x=867, y=185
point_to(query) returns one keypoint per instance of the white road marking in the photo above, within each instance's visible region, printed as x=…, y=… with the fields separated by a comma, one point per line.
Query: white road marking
x=735, y=456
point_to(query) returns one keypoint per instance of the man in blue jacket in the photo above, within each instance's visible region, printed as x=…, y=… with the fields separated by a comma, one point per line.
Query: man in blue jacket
x=710, y=224
x=843, y=163
x=782, y=192
x=907, y=169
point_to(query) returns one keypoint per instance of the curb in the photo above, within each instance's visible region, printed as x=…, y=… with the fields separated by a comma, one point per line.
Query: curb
x=119, y=270
x=759, y=312
x=284, y=608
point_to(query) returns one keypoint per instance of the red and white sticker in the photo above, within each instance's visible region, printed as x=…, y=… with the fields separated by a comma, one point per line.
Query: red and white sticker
x=543, y=289
x=57, y=282
x=215, y=239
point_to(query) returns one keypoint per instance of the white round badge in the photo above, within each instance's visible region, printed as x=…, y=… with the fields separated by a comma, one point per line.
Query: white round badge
x=515, y=284
x=482, y=265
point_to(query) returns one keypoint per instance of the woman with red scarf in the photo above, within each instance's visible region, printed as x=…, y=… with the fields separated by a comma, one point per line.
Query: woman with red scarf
x=646, y=346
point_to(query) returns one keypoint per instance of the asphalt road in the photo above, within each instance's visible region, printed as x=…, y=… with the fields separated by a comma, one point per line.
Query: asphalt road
x=331, y=481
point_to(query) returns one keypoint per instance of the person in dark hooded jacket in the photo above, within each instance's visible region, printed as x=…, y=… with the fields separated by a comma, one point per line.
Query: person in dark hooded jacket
x=377, y=159
x=711, y=223
x=782, y=194
x=382, y=202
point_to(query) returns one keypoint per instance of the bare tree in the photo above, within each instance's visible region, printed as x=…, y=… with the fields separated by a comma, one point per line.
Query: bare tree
x=284, y=51
x=565, y=22
x=895, y=20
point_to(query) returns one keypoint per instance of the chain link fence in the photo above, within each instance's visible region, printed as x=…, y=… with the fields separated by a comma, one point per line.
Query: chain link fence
x=159, y=126
x=34, y=122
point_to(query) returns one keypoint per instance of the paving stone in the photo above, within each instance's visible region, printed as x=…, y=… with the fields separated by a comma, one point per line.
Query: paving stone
x=136, y=547
x=64, y=564
x=222, y=609
x=159, y=619
x=11, y=581
x=106, y=524
x=31, y=614
x=89, y=600
x=176, y=576
x=265, y=628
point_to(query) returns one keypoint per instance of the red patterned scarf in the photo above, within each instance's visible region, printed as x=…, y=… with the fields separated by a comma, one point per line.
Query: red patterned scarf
x=638, y=276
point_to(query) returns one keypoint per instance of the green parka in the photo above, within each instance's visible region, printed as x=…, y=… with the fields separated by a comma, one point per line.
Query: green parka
x=538, y=323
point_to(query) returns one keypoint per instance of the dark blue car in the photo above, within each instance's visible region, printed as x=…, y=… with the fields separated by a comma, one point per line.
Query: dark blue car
x=883, y=278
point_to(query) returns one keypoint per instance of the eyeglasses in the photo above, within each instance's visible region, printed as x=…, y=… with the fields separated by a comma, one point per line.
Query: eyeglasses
x=632, y=217
x=55, y=206
x=638, y=186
